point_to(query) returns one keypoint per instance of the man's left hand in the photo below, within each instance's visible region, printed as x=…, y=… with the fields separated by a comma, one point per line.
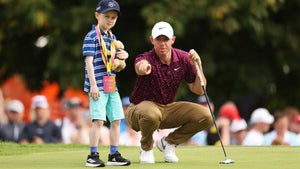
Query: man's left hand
x=194, y=57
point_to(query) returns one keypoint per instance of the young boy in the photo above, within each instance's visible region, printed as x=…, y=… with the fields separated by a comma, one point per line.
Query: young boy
x=99, y=53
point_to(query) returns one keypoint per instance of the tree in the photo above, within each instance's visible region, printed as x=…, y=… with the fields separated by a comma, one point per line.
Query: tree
x=247, y=47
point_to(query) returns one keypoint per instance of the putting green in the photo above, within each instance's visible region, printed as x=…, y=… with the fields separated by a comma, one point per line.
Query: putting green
x=59, y=156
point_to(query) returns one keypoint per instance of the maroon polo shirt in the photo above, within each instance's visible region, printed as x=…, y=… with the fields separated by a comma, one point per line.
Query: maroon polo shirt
x=162, y=83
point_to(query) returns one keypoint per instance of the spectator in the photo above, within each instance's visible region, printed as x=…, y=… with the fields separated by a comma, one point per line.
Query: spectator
x=228, y=113
x=280, y=134
x=296, y=121
x=238, y=129
x=292, y=113
x=73, y=126
x=13, y=129
x=3, y=117
x=41, y=130
x=260, y=122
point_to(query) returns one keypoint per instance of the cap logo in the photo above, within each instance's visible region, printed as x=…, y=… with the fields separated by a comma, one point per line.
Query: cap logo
x=111, y=4
x=161, y=28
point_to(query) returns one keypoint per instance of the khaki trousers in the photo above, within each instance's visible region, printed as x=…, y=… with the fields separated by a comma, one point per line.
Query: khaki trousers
x=147, y=116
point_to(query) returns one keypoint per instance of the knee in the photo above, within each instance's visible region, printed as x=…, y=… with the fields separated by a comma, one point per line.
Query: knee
x=140, y=118
x=97, y=123
x=150, y=118
x=116, y=123
x=208, y=119
x=204, y=118
x=148, y=112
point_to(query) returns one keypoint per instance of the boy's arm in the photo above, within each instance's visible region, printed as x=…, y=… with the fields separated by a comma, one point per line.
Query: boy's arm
x=94, y=90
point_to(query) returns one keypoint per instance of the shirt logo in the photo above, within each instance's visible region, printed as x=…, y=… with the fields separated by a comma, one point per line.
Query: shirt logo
x=176, y=69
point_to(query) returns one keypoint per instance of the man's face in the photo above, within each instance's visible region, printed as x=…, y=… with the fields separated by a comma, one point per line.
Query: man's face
x=15, y=116
x=162, y=44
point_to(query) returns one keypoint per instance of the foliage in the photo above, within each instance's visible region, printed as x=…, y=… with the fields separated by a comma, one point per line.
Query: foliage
x=247, y=47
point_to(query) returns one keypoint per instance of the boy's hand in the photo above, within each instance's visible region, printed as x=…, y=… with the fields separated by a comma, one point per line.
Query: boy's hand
x=122, y=54
x=94, y=92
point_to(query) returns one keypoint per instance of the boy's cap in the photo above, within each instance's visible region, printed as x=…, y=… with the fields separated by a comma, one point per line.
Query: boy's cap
x=15, y=106
x=39, y=101
x=162, y=28
x=107, y=5
x=261, y=115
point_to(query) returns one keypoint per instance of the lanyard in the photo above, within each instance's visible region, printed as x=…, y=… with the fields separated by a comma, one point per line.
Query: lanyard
x=107, y=55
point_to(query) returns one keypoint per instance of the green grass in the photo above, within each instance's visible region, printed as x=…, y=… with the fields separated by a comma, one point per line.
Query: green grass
x=59, y=156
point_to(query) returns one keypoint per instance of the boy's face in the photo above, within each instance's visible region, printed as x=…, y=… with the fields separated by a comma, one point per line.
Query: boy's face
x=107, y=20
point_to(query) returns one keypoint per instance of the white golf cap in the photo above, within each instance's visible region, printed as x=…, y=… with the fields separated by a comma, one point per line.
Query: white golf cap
x=15, y=106
x=261, y=115
x=238, y=125
x=162, y=28
x=39, y=101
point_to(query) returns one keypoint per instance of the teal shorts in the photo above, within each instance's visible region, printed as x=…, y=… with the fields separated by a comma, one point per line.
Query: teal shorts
x=108, y=104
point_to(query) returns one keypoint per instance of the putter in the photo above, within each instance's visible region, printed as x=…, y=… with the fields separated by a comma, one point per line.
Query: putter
x=226, y=161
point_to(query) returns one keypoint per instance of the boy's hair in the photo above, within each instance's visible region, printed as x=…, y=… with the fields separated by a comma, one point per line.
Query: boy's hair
x=107, y=5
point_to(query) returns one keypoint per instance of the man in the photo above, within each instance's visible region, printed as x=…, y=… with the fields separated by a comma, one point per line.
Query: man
x=238, y=130
x=228, y=112
x=13, y=129
x=280, y=135
x=42, y=129
x=160, y=72
x=74, y=127
x=260, y=123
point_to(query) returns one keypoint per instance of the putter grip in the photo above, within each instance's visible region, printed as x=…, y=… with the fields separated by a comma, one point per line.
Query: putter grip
x=199, y=73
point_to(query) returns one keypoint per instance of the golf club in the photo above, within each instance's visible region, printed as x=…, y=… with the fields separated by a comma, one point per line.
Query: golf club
x=226, y=161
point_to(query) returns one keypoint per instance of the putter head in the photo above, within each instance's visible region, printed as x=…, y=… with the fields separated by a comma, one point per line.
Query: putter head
x=226, y=161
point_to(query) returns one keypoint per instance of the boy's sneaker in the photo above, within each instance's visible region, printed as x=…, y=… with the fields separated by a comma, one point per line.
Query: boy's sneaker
x=117, y=159
x=146, y=157
x=94, y=161
x=168, y=150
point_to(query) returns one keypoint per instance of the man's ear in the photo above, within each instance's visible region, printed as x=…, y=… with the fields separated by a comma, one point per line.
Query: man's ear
x=151, y=39
x=173, y=39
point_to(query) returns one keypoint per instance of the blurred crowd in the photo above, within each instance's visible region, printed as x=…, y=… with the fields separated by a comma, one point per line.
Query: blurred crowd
x=72, y=128
x=264, y=128
x=281, y=127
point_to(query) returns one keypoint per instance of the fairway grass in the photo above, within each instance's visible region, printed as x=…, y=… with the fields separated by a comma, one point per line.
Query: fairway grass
x=59, y=156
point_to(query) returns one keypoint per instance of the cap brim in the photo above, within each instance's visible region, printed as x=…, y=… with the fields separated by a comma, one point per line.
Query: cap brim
x=155, y=36
x=110, y=9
